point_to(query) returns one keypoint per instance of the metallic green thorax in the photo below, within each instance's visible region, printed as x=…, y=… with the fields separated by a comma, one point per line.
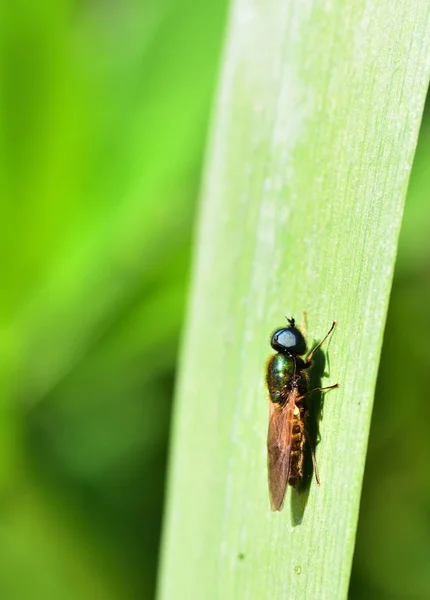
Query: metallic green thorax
x=280, y=369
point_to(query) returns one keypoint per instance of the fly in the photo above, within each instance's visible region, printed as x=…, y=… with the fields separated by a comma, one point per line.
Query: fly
x=288, y=384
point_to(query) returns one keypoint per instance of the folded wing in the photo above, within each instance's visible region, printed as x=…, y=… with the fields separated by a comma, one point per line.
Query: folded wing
x=279, y=450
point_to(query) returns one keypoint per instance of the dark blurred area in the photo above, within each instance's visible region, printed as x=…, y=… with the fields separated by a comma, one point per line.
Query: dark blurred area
x=104, y=114
x=105, y=109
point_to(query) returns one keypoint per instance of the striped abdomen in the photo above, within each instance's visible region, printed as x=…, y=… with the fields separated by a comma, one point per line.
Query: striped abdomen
x=297, y=447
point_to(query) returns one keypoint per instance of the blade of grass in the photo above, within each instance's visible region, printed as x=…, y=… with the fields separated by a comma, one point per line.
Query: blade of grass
x=317, y=121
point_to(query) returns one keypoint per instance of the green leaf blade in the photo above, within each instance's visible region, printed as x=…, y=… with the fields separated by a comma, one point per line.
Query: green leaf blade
x=317, y=122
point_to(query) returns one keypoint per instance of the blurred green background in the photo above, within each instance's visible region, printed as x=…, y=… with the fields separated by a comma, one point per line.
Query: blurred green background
x=104, y=114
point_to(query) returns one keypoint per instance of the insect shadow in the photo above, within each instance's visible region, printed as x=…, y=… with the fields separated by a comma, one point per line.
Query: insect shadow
x=315, y=402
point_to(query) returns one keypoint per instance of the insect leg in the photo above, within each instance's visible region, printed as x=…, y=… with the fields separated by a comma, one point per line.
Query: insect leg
x=311, y=355
x=307, y=436
x=311, y=446
x=304, y=322
x=319, y=389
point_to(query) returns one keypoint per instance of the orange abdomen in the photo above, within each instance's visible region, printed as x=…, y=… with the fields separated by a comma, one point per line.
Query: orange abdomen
x=297, y=449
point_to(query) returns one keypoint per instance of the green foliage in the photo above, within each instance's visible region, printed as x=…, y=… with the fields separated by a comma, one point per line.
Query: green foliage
x=310, y=158
x=104, y=111
x=392, y=551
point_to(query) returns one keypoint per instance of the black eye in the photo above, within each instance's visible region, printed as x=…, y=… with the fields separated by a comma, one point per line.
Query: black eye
x=288, y=340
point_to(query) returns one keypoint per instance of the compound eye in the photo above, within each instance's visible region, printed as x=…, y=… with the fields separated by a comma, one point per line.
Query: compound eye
x=285, y=338
x=288, y=340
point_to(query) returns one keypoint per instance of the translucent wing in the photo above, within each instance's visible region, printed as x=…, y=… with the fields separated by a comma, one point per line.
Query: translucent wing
x=279, y=449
